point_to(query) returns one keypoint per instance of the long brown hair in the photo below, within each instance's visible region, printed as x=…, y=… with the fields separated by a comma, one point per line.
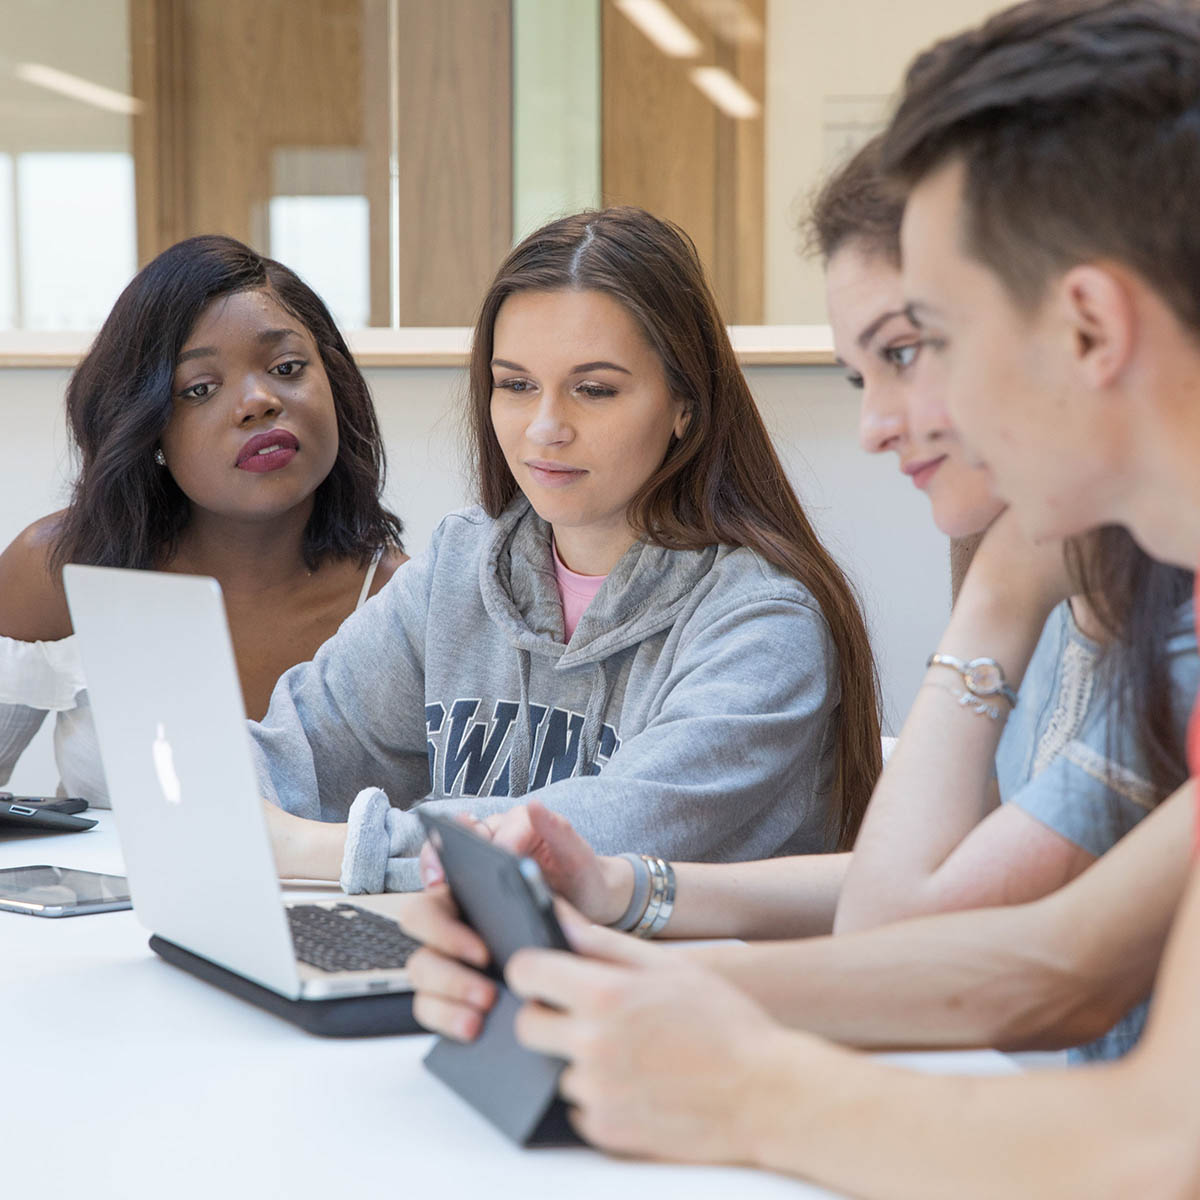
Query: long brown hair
x=1135, y=599
x=1138, y=603
x=721, y=483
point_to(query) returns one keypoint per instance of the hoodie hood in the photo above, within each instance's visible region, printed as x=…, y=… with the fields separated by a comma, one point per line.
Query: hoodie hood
x=692, y=714
x=642, y=595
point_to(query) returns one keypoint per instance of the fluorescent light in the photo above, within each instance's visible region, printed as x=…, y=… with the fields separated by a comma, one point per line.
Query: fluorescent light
x=79, y=89
x=726, y=93
x=662, y=27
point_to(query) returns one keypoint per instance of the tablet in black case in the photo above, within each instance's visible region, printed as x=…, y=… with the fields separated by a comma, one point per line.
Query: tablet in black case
x=505, y=901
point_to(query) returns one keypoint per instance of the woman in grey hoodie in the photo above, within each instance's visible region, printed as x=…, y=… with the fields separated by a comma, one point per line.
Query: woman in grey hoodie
x=637, y=625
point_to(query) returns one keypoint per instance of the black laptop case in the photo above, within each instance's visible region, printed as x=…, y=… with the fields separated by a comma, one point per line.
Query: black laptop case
x=377, y=1015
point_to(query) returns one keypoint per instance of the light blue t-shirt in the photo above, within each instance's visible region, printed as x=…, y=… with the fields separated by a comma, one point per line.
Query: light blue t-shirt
x=1068, y=762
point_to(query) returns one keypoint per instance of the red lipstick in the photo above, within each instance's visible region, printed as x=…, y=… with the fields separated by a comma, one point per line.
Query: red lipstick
x=268, y=451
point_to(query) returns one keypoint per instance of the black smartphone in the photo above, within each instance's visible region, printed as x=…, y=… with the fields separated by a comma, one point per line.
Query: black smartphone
x=18, y=812
x=506, y=901
x=62, y=804
x=44, y=891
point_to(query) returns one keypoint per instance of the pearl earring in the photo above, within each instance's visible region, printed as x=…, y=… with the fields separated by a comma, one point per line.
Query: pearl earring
x=160, y=457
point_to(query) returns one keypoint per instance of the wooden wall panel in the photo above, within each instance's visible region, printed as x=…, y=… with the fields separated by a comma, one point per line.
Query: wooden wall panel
x=260, y=76
x=377, y=141
x=226, y=83
x=660, y=134
x=741, y=185
x=455, y=140
x=159, y=131
x=667, y=148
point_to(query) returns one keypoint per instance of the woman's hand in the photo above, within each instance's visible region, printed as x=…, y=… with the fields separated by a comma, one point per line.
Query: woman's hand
x=452, y=995
x=665, y=1058
x=598, y=887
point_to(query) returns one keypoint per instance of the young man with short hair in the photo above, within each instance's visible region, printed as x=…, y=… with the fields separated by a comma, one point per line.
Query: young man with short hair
x=1052, y=257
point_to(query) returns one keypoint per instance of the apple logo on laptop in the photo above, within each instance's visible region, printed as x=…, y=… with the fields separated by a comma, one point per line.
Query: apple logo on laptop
x=164, y=767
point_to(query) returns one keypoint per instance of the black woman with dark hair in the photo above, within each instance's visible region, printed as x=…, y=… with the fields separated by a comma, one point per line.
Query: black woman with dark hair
x=222, y=428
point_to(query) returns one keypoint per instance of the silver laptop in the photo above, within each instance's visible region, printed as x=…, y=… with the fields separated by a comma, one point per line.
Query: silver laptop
x=171, y=724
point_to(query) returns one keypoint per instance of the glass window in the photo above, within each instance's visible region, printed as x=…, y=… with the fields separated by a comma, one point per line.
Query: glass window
x=67, y=213
x=75, y=236
x=393, y=150
x=319, y=222
x=324, y=239
x=8, y=246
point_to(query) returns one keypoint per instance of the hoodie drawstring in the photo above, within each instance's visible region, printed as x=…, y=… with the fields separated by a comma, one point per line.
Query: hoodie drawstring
x=522, y=751
x=589, y=738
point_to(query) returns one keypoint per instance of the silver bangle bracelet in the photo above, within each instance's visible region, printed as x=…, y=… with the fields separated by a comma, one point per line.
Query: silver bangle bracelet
x=662, y=898
x=636, y=907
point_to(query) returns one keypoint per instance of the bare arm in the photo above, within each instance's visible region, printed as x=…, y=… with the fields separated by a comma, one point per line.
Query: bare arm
x=666, y=1061
x=769, y=898
x=1055, y=972
x=1052, y=973
x=933, y=838
x=33, y=605
x=33, y=608
x=774, y=898
x=1130, y=1129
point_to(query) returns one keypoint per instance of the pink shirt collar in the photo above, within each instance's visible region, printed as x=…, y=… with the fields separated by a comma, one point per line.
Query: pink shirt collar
x=575, y=591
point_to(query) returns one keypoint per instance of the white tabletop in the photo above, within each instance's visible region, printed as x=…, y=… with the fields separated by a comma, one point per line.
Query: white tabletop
x=129, y=1079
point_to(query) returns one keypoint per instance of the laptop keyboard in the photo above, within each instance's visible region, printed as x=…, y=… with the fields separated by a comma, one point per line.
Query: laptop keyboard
x=345, y=937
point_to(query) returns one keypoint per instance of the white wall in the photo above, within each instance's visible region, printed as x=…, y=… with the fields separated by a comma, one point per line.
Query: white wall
x=875, y=522
x=832, y=71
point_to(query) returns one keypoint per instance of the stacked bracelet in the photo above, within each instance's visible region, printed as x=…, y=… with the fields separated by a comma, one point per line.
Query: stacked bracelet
x=967, y=700
x=982, y=677
x=641, y=894
x=662, y=898
x=653, y=898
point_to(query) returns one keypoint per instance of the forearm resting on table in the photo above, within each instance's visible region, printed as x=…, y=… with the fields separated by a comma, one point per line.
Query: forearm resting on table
x=771, y=898
x=967, y=979
x=1053, y=973
x=1105, y=1132
x=1127, y=1129
x=305, y=849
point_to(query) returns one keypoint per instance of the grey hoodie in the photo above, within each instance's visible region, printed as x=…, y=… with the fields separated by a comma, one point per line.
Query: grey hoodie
x=692, y=714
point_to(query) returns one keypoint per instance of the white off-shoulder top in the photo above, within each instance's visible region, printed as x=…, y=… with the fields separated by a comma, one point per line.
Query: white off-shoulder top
x=37, y=678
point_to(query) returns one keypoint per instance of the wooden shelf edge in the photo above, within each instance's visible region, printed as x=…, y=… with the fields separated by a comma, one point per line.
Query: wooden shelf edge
x=756, y=346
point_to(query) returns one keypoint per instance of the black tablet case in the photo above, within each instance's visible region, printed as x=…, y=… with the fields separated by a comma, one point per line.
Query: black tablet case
x=16, y=815
x=376, y=1015
x=516, y=1089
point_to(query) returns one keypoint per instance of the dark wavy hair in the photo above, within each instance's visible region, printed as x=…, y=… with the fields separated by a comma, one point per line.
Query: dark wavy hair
x=1077, y=123
x=721, y=482
x=1136, y=599
x=125, y=510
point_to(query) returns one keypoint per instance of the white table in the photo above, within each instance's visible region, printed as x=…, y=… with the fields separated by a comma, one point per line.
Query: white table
x=126, y=1078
